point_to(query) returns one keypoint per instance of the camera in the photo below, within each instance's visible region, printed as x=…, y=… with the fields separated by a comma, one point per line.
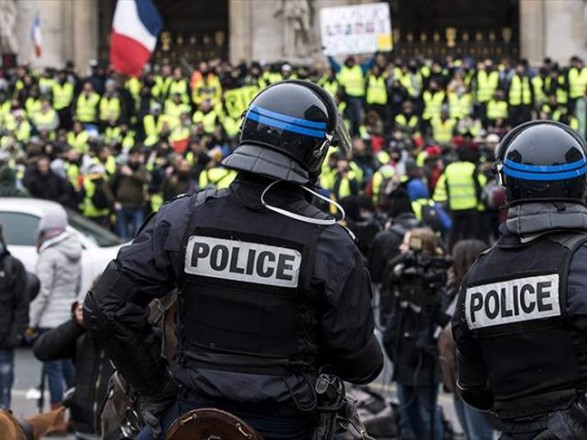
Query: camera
x=421, y=275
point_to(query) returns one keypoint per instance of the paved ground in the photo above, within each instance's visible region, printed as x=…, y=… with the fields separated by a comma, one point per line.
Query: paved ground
x=28, y=371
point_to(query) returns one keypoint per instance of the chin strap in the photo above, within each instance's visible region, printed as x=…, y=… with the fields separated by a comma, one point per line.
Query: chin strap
x=299, y=217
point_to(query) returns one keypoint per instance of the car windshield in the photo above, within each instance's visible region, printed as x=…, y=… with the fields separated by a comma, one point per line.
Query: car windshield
x=93, y=232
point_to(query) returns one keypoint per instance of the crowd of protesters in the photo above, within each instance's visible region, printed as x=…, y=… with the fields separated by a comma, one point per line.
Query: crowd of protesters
x=115, y=148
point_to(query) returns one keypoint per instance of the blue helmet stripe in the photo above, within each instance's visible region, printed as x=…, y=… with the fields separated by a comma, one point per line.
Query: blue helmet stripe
x=285, y=126
x=286, y=118
x=524, y=175
x=544, y=168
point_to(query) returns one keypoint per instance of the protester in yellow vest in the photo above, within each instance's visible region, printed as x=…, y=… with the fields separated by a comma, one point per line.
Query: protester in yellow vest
x=497, y=108
x=577, y=81
x=520, y=96
x=97, y=198
x=329, y=82
x=62, y=92
x=459, y=189
x=207, y=117
x=443, y=128
x=207, y=88
x=351, y=77
x=376, y=92
x=163, y=81
x=433, y=98
x=110, y=104
x=179, y=85
x=78, y=138
x=484, y=84
x=407, y=121
x=46, y=119
x=19, y=126
x=173, y=110
x=86, y=105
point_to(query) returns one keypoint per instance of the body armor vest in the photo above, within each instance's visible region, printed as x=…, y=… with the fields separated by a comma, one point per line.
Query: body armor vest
x=535, y=359
x=245, y=304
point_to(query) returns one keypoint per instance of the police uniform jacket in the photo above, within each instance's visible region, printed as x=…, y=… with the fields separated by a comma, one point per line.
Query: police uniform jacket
x=233, y=311
x=520, y=321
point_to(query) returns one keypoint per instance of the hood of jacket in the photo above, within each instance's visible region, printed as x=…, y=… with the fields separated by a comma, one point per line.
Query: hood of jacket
x=531, y=220
x=66, y=243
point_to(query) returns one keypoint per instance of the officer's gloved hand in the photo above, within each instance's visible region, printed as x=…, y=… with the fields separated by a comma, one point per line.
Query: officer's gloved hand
x=153, y=406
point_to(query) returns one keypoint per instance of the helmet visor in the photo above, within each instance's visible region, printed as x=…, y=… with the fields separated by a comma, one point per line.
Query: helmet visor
x=341, y=137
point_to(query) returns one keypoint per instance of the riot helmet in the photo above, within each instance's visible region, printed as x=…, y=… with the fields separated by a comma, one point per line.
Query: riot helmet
x=286, y=132
x=543, y=161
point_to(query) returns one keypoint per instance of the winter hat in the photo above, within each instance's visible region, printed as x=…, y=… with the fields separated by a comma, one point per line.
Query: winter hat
x=55, y=218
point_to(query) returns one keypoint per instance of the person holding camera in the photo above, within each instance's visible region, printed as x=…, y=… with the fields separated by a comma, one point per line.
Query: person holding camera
x=416, y=283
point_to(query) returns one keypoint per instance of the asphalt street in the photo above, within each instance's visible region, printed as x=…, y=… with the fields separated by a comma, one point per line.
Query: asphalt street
x=28, y=375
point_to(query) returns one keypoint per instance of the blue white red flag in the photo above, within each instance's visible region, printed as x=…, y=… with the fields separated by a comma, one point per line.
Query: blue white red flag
x=135, y=29
x=36, y=36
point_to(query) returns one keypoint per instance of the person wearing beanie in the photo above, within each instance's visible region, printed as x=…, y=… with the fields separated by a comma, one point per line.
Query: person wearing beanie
x=59, y=271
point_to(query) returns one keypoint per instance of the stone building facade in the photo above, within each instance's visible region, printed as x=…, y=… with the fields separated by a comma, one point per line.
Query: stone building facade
x=271, y=30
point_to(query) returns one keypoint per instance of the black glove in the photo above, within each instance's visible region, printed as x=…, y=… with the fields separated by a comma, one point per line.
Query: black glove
x=153, y=406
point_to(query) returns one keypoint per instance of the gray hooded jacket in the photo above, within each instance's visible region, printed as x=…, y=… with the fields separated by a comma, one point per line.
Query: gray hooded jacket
x=59, y=270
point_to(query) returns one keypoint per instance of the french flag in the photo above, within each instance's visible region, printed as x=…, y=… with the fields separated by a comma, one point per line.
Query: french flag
x=36, y=36
x=135, y=28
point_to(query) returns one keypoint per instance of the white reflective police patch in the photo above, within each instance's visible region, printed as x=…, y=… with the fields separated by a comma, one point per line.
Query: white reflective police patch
x=243, y=261
x=517, y=300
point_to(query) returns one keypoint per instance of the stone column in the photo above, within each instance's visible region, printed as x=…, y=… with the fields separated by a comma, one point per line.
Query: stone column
x=533, y=30
x=239, y=22
x=85, y=33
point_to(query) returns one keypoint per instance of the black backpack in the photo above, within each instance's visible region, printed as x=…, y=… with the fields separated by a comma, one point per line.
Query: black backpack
x=431, y=218
x=99, y=199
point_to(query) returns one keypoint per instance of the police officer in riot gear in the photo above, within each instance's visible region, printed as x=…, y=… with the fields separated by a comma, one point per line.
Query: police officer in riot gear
x=520, y=324
x=271, y=289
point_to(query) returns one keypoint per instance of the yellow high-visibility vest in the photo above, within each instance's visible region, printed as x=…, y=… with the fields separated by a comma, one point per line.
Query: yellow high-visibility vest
x=487, y=84
x=353, y=81
x=442, y=131
x=577, y=82
x=376, y=90
x=497, y=109
x=520, y=91
x=86, y=108
x=457, y=186
x=110, y=108
x=62, y=95
x=432, y=104
x=208, y=120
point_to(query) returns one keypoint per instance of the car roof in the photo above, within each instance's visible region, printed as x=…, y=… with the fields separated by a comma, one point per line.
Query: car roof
x=29, y=205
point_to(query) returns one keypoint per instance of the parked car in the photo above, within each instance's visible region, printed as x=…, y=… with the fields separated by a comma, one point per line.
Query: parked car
x=20, y=219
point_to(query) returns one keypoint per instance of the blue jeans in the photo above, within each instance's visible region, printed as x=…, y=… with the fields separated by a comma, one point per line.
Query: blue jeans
x=6, y=377
x=269, y=427
x=419, y=414
x=129, y=221
x=474, y=423
x=60, y=376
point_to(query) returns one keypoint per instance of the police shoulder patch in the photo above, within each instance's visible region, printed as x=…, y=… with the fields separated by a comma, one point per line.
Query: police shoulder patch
x=512, y=301
x=243, y=261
